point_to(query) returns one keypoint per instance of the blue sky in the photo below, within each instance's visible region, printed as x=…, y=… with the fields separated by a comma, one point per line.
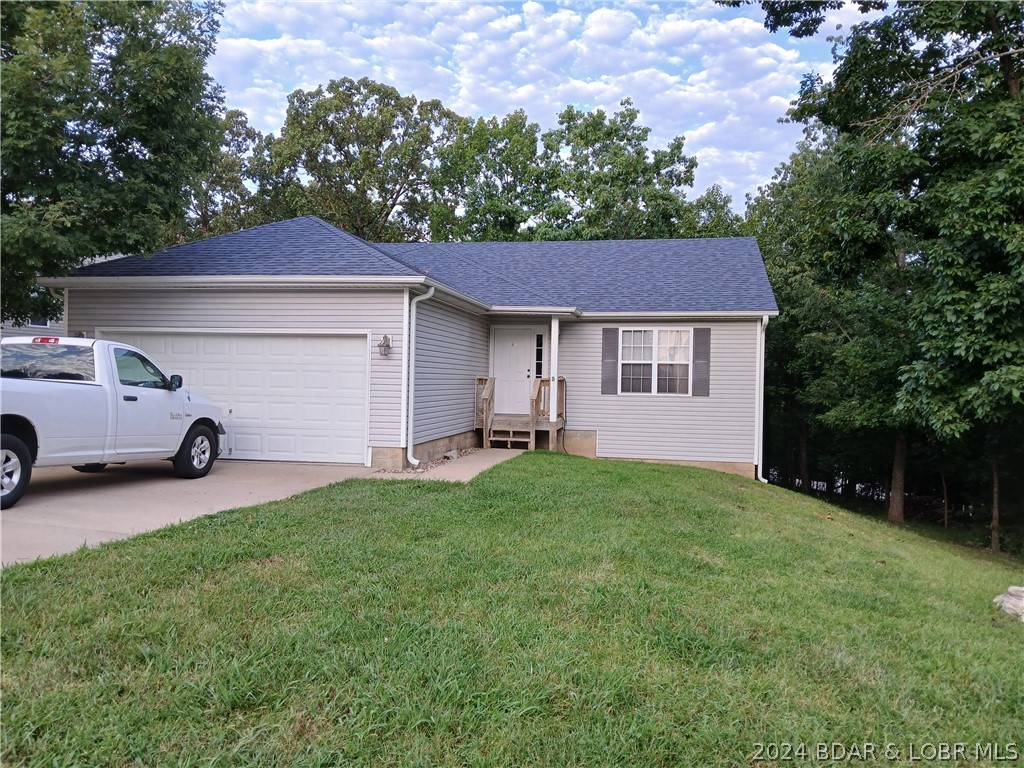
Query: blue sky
x=712, y=74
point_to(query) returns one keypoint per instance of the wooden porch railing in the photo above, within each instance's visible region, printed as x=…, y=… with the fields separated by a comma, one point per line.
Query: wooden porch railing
x=540, y=399
x=516, y=427
x=485, y=406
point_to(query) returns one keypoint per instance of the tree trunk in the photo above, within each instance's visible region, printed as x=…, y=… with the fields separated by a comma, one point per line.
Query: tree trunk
x=995, y=504
x=899, y=479
x=945, y=500
x=1010, y=78
x=805, y=461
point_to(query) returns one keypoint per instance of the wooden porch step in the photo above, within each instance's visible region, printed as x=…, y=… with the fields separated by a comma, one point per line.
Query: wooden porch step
x=510, y=436
x=515, y=428
x=509, y=428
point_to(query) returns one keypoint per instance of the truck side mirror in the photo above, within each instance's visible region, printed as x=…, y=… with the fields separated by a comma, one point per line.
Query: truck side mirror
x=176, y=382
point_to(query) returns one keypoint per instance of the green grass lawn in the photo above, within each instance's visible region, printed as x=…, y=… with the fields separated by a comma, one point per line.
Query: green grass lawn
x=556, y=611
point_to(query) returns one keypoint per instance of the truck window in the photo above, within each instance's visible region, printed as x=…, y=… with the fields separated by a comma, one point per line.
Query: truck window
x=57, y=362
x=134, y=370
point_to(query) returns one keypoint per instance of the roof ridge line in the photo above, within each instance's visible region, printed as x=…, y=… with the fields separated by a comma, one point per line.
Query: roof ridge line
x=335, y=230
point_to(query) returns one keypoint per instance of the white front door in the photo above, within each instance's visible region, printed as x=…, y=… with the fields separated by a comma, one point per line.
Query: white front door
x=515, y=350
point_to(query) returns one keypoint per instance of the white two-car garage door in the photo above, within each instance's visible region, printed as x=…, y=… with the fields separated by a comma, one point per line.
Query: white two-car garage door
x=285, y=397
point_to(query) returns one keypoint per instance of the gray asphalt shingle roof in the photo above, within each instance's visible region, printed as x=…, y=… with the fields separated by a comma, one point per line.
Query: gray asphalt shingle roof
x=303, y=246
x=698, y=275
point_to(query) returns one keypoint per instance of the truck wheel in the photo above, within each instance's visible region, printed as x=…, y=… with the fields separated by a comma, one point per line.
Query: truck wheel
x=89, y=468
x=197, y=453
x=17, y=469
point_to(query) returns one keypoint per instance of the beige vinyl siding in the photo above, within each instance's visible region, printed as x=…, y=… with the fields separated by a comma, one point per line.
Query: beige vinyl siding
x=267, y=311
x=452, y=349
x=670, y=427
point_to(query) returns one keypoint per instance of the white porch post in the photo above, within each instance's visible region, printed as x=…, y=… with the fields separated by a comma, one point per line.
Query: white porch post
x=553, y=409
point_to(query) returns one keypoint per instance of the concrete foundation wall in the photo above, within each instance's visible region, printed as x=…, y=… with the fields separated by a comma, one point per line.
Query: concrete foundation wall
x=395, y=458
x=583, y=442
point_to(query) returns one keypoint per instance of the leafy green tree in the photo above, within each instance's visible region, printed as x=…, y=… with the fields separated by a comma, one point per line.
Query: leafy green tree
x=387, y=167
x=364, y=157
x=785, y=217
x=713, y=215
x=220, y=199
x=108, y=115
x=934, y=90
x=844, y=286
x=490, y=182
x=604, y=183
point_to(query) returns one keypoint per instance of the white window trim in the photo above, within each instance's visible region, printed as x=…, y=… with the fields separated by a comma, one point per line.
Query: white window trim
x=655, y=362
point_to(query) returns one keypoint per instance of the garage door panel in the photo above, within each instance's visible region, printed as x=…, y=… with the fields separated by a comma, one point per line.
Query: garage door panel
x=185, y=345
x=212, y=346
x=297, y=398
x=215, y=378
x=248, y=443
x=288, y=413
x=282, y=380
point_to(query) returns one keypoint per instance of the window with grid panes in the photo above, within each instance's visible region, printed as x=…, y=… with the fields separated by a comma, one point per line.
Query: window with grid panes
x=637, y=359
x=655, y=361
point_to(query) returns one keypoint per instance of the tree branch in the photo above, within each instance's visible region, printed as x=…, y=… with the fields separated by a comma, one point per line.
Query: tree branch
x=901, y=115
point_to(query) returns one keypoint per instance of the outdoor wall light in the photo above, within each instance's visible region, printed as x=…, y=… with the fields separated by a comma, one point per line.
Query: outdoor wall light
x=385, y=346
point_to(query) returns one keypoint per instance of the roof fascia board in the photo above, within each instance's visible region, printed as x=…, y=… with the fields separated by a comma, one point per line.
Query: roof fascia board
x=724, y=315
x=298, y=282
x=456, y=297
x=505, y=309
x=233, y=281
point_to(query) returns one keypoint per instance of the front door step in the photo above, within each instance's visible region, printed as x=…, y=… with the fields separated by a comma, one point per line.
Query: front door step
x=509, y=436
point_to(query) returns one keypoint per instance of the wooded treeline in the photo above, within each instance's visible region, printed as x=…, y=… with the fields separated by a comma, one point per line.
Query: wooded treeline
x=389, y=168
x=893, y=236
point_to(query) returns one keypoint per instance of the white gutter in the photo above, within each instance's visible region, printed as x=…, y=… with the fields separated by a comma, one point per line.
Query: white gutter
x=738, y=315
x=233, y=281
x=509, y=309
x=411, y=347
x=553, y=405
x=403, y=408
x=759, y=408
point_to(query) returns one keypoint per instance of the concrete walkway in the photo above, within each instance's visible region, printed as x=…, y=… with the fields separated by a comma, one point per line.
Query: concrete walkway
x=460, y=470
x=64, y=510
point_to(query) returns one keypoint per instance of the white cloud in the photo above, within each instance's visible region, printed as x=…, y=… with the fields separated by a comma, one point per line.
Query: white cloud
x=713, y=74
x=608, y=26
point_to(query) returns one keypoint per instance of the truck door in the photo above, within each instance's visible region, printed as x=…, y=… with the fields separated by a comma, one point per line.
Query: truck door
x=149, y=415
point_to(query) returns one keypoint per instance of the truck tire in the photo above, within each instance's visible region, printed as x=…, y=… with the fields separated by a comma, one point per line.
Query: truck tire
x=197, y=453
x=17, y=470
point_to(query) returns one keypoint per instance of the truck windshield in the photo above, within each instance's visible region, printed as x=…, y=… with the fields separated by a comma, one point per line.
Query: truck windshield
x=59, y=362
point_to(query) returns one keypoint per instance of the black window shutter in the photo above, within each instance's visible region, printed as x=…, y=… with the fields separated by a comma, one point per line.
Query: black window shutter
x=609, y=361
x=701, y=362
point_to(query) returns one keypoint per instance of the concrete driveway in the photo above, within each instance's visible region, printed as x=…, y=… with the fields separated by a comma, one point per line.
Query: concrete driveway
x=63, y=509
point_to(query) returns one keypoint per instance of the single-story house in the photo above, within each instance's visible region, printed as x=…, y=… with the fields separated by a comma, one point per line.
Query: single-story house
x=322, y=347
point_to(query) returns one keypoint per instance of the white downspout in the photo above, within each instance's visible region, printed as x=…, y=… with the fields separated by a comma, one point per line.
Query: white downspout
x=404, y=407
x=62, y=295
x=759, y=424
x=411, y=346
x=553, y=406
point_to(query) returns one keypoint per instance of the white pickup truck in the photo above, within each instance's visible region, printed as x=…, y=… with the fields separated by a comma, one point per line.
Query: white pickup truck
x=87, y=403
